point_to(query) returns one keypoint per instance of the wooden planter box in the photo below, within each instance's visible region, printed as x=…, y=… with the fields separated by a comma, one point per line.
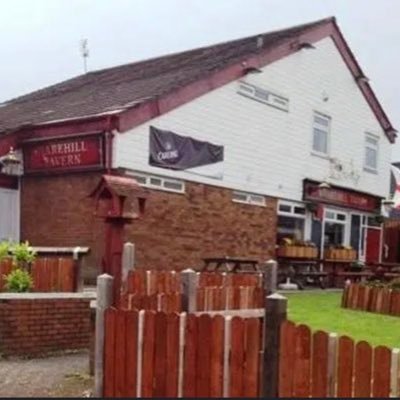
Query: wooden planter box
x=340, y=254
x=297, y=252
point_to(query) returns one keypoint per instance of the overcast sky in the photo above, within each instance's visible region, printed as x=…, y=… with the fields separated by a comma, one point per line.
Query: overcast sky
x=39, y=39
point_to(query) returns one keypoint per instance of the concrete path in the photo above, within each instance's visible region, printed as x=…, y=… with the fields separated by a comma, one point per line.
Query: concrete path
x=59, y=376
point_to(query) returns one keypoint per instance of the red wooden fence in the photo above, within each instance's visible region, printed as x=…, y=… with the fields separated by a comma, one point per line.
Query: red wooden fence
x=309, y=368
x=161, y=291
x=49, y=274
x=379, y=300
x=155, y=354
x=149, y=354
x=230, y=298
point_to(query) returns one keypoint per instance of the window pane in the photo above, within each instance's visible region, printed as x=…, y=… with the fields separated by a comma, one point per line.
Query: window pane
x=371, y=140
x=320, y=142
x=239, y=196
x=334, y=234
x=321, y=120
x=285, y=208
x=330, y=215
x=140, y=179
x=299, y=210
x=355, y=231
x=341, y=217
x=173, y=185
x=370, y=157
x=261, y=94
x=373, y=222
x=246, y=88
x=155, y=181
x=289, y=227
x=254, y=199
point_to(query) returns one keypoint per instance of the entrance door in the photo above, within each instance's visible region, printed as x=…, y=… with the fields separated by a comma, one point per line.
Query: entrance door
x=9, y=214
x=373, y=245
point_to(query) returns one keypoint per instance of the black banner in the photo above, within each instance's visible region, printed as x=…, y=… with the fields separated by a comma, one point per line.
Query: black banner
x=173, y=151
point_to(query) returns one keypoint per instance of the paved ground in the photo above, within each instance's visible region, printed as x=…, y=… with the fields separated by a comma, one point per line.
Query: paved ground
x=59, y=376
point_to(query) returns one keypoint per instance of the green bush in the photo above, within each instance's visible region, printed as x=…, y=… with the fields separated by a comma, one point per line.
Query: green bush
x=18, y=281
x=4, y=249
x=23, y=255
x=394, y=284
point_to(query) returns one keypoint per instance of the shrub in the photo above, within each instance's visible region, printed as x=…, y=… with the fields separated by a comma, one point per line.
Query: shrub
x=394, y=284
x=4, y=249
x=375, y=284
x=18, y=281
x=23, y=255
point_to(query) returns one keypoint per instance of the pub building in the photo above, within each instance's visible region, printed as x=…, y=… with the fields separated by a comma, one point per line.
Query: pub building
x=245, y=147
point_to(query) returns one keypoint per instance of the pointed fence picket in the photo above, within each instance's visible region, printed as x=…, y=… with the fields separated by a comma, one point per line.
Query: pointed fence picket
x=156, y=354
x=361, y=369
x=373, y=299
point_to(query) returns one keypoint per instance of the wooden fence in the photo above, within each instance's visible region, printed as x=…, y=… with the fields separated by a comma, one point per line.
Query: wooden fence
x=219, y=354
x=155, y=354
x=149, y=354
x=50, y=274
x=163, y=291
x=322, y=365
x=365, y=298
x=149, y=282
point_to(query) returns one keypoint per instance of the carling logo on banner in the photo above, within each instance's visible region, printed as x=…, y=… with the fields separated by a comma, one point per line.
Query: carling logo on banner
x=173, y=151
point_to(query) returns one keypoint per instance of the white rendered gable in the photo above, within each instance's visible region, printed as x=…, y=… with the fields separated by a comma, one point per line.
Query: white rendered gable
x=268, y=150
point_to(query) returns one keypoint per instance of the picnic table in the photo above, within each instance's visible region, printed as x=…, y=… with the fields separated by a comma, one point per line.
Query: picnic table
x=231, y=264
x=301, y=271
x=375, y=271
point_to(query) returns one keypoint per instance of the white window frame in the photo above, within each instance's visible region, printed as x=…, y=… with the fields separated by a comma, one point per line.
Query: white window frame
x=371, y=146
x=251, y=198
x=293, y=214
x=264, y=96
x=327, y=129
x=346, y=223
x=163, y=180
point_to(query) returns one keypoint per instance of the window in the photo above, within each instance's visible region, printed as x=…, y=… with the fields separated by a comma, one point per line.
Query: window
x=291, y=221
x=248, y=198
x=335, y=228
x=158, y=182
x=371, y=153
x=321, y=128
x=263, y=95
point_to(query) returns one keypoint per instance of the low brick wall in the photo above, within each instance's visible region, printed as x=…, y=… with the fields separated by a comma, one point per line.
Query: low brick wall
x=34, y=324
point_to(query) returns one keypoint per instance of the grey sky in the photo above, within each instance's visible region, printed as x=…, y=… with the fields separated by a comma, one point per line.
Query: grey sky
x=39, y=39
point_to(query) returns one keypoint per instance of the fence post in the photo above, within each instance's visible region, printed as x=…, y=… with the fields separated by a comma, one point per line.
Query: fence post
x=78, y=284
x=275, y=314
x=128, y=261
x=189, y=285
x=104, y=300
x=270, y=277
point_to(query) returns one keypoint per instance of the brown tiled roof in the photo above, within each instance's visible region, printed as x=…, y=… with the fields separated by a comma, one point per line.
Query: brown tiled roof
x=118, y=88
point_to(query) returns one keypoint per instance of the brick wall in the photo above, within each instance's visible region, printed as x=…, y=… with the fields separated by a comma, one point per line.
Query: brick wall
x=33, y=324
x=56, y=211
x=177, y=230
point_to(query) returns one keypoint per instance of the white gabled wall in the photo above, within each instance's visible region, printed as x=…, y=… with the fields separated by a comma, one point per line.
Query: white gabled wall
x=268, y=150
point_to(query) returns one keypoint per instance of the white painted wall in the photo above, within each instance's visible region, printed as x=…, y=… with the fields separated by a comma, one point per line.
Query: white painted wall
x=267, y=150
x=9, y=214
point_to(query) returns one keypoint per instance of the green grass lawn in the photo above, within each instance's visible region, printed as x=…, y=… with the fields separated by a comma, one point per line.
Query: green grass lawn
x=321, y=310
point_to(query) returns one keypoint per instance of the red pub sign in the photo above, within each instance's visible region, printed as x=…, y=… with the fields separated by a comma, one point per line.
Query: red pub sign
x=340, y=197
x=66, y=154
